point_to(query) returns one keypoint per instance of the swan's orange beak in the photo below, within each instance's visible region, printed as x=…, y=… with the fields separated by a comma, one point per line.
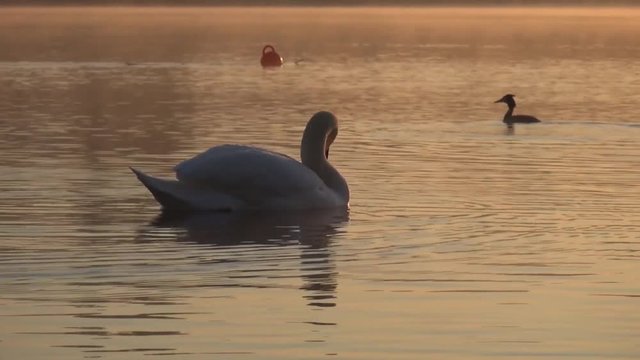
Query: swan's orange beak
x=330, y=139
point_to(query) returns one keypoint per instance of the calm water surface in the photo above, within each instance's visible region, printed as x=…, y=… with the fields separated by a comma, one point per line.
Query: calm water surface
x=464, y=241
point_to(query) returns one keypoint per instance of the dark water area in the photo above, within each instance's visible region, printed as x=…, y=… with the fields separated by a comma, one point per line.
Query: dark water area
x=464, y=240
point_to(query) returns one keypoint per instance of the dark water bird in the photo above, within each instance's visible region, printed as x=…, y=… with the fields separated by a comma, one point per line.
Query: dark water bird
x=270, y=58
x=511, y=119
x=238, y=177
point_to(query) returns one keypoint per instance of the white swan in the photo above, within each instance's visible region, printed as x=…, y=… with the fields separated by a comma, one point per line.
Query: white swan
x=237, y=177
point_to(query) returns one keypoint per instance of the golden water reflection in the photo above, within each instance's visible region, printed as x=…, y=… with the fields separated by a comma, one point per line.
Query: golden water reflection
x=463, y=241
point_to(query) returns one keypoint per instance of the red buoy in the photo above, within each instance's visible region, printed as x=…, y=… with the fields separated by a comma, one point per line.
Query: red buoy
x=270, y=57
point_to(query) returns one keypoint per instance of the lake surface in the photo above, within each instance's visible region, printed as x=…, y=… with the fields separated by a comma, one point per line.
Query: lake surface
x=464, y=240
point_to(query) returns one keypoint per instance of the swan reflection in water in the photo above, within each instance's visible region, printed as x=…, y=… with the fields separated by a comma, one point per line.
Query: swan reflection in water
x=312, y=231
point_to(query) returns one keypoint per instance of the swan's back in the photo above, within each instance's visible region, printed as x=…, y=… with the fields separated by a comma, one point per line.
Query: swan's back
x=250, y=173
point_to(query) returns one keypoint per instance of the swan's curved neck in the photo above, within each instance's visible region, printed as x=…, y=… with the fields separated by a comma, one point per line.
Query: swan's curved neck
x=312, y=153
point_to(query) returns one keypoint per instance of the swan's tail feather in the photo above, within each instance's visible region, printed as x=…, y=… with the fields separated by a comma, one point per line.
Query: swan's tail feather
x=176, y=196
x=162, y=191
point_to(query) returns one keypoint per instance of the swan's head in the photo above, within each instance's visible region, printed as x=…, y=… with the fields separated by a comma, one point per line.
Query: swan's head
x=507, y=99
x=321, y=131
x=330, y=139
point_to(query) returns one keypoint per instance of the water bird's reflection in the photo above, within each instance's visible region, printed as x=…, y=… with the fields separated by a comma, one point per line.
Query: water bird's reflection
x=309, y=228
x=312, y=231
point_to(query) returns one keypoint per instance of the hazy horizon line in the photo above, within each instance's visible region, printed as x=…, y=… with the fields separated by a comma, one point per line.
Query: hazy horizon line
x=296, y=3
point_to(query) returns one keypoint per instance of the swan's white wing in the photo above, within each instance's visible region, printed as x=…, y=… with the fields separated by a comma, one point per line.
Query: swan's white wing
x=252, y=174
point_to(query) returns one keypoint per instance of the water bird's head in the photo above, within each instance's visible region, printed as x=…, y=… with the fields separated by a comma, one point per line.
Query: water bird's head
x=507, y=99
